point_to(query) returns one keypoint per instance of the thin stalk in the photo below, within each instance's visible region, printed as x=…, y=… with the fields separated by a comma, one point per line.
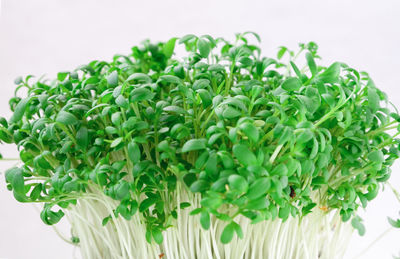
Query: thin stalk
x=185, y=239
x=376, y=240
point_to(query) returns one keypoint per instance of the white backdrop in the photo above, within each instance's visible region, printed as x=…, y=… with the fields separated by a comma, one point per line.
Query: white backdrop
x=43, y=37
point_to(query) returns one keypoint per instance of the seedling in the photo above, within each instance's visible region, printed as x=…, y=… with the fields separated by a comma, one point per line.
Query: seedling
x=272, y=157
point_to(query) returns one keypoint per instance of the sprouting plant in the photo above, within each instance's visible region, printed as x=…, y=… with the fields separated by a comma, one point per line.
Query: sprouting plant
x=248, y=136
x=394, y=223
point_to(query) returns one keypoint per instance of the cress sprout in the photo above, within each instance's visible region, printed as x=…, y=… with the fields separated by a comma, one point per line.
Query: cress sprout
x=221, y=136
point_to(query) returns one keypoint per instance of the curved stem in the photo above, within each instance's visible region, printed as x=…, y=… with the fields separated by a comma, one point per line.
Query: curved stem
x=384, y=233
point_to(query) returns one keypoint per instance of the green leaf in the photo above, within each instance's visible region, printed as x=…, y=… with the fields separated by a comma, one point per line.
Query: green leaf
x=174, y=109
x=147, y=203
x=318, y=181
x=71, y=186
x=170, y=79
x=194, y=144
x=41, y=162
x=373, y=99
x=5, y=136
x=50, y=217
x=123, y=210
x=314, y=150
x=112, y=78
x=356, y=222
x=186, y=38
x=211, y=202
x=205, y=220
x=216, y=68
x=308, y=102
x=254, y=34
x=244, y=155
x=291, y=84
x=111, y=130
x=331, y=74
x=134, y=207
x=196, y=211
x=201, y=84
x=280, y=169
x=35, y=194
x=122, y=190
x=258, y=204
x=157, y=235
x=230, y=113
x=394, y=223
x=307, y=209
x=227, y=233
x=205, y=96
x=144, y=78
x=18, y=80
x=19, y=110
x=329, y=99
x=116, y=142
x=199, y=186
x=16, y=178
x=238, y=183
x=204, y=47
x=117, y=91
x=296, y=69
x=311, y=63
x=169, y=46
x=211, y=165
x=250, y=130
x=238, y=230
x=292, y=165
x=201, y=160
x=106, y=220
x=62, y=75
x=226, y=160
x=219, y=185
x=82, y=137
x=376, y=156
x=259, y=188
x=141, y=94
x=287, y=134
x=284, y=212
x=148, y=236
x=116, y=118
x=66, y=118
x=246, y=61
x=281, y=52
x=305, y=136
x=134, y=152
x=122, y=102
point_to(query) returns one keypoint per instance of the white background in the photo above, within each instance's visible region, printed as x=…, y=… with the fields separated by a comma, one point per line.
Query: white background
x=42, y=37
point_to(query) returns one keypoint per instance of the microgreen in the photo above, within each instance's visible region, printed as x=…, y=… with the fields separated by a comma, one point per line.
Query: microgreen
x=254, y=136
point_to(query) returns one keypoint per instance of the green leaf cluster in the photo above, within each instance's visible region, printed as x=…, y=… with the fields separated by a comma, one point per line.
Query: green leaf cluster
x=256, y=136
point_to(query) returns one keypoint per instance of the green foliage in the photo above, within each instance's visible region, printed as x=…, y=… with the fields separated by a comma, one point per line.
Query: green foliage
x=253, y=136
x=394, y=223
x=229, y=231
x=356, y=222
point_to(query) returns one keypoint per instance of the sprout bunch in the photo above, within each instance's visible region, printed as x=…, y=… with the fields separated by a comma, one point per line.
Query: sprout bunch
x=249, y=136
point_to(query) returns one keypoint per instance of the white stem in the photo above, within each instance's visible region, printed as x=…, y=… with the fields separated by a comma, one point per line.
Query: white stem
x=317, y=235
x=373, y=243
